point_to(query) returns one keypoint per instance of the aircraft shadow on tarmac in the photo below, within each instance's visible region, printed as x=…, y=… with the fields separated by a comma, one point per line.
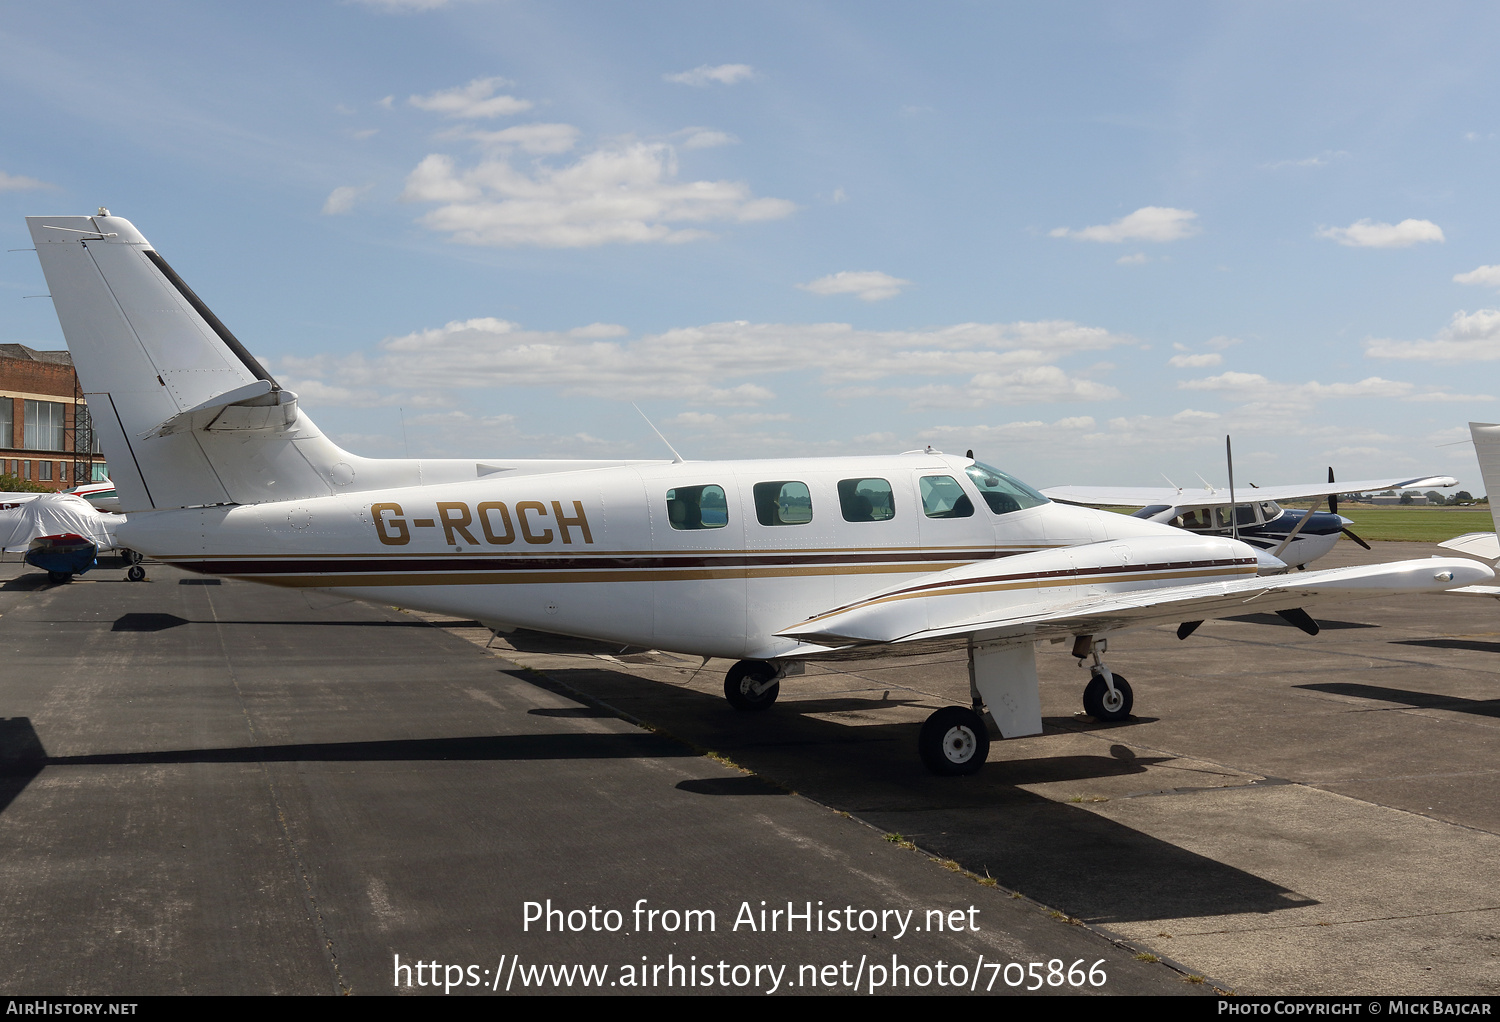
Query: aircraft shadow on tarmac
x=1418, y=700
x=150, y=622
x=1272, y=619
x=23, y=756
x=1060, y=854
x=1471, y=644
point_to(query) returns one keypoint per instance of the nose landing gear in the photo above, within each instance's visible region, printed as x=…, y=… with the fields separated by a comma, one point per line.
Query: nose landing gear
x=1107, y=696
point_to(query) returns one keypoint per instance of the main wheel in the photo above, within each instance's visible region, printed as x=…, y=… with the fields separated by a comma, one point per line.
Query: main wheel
x=743, y=685
x=59, y=577
x=954, y=741
x=1101, y=705
x=136, y=573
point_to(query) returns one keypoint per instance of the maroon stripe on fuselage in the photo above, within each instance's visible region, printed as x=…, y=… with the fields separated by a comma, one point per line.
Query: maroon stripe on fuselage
x=604, y=562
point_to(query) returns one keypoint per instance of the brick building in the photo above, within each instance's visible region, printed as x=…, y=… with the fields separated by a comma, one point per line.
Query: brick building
x=41, y=410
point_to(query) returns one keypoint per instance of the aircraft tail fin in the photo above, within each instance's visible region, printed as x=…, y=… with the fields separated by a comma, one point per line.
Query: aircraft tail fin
x=185, y=414
x=1487, y=446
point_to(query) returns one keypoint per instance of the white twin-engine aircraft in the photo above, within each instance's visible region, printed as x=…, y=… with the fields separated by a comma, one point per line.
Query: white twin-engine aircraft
x=770, y=563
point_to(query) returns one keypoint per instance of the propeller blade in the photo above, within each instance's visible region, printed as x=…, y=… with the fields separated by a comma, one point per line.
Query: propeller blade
x=1355, y=538
x=1234, y=519
x=1333, y=498
x=1187, y=628
x=1299, y=617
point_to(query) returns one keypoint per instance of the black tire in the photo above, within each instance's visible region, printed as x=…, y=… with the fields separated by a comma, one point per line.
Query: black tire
x=740, y=681
x=59, y=577
x=954, y=741
x=1097, y=704
x=136, y=573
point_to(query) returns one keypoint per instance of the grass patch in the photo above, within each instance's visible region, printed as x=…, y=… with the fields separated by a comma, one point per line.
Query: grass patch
x=1401, y=524
x=1416, y=524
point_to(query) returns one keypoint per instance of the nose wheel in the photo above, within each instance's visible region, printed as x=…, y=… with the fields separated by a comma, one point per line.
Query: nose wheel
x=1102, y=702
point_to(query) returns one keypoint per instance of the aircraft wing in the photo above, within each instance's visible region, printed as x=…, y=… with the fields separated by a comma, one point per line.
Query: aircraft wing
x=1200, y=496
x=950, y=608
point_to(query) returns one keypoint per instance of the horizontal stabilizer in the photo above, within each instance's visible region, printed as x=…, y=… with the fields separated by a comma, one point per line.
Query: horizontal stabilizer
x=257, y=406
x=1483, y=545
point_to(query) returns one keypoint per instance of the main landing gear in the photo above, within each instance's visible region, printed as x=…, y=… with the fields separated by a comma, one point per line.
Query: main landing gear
x=1107, y=696
x=753, y=684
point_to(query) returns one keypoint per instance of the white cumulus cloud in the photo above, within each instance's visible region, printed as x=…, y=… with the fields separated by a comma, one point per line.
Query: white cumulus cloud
x=342, y=198
x=870, y=285
x=621, y=193
x=732, y=364
x=1201, y=361
x=537, y=139
x=1468, y=337
x=1371, y=234
x=704, y=75
x=402, y=5
x=477, y=99
x=705, y=138
x=1486, y=275
x=17, y=183
x=1149, y=223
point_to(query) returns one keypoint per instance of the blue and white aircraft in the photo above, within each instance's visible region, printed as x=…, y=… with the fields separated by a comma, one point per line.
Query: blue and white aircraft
x=1255, y=516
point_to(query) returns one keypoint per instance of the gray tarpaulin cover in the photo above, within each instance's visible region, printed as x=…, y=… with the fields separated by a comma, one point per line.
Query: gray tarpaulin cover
x=25, y=517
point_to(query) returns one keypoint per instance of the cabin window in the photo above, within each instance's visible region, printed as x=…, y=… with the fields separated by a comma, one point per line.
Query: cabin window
x=866, y=500
x=1001, y=492
x=690, y=508
x=1152, y=511
x=1196, y=519
x=942, y=497
x=783, y=503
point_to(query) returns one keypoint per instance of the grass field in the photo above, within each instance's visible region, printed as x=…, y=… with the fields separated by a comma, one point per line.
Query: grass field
x=1418, y=524
x=1411, y=524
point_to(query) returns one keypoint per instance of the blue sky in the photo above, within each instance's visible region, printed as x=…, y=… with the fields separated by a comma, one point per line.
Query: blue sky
x=1085, y=240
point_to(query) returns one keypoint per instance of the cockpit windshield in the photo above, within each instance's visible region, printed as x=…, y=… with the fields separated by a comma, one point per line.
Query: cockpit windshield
x=1001, y=492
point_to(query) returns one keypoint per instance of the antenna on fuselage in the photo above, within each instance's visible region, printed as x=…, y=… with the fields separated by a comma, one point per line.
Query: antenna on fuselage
x=677, y=459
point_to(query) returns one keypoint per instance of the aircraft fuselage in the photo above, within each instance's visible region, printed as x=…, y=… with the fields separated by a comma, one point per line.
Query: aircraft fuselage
x=605, y=554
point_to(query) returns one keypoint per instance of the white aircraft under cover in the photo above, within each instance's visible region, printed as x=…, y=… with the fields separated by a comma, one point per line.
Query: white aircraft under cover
x=767, y=562
x=1253, y=515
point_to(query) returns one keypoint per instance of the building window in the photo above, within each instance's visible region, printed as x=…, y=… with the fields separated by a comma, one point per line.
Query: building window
x=101, y=472
x=44, y=471
x=7, y=423
x=44, y=426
